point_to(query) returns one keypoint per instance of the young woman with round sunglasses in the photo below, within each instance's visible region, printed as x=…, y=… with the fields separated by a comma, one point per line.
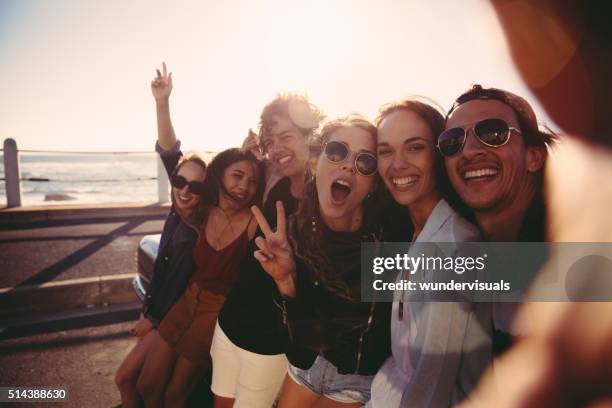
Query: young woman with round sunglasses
x=249, y=341
x=336, y=343
x=179, y=353
x=437, y=347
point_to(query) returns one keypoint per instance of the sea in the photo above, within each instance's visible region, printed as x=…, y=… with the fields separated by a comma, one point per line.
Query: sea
x=85, y=178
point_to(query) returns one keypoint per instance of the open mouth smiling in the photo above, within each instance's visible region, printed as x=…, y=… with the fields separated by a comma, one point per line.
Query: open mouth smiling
x=405, y=181
x=238, y=197
x=340, y=190
x=184, y=198
x=284, y=159
x=479, y=173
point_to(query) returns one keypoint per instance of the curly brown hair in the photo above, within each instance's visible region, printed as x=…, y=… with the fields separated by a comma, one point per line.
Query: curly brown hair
x=302, y=113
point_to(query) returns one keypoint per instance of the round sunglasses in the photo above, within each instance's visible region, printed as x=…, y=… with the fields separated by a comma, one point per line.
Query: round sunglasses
x=195, y=187
x=490, y=132
x=338, y=152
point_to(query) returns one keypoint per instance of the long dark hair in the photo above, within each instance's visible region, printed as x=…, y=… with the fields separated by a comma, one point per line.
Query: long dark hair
x=306, y=225
x=213, y=183
x=436, y=122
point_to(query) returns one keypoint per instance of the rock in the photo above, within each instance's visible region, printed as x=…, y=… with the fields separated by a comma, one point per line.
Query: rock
x=58, y=197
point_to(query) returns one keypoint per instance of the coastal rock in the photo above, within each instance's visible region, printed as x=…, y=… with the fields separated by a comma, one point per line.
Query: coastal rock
x=58, y=197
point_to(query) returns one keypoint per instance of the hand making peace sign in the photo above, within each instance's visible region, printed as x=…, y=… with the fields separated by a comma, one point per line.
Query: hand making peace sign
x=161, y=86
x=274, y=253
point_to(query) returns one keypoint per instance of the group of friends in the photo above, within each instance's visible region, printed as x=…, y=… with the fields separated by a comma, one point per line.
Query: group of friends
x=258, y=273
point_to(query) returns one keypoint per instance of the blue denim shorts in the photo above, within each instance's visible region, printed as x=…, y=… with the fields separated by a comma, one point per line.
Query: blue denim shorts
x=323, y=379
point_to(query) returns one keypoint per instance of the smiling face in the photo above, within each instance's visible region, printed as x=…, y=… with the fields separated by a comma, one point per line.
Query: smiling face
x=285, y=146
x=406, y=157
x=488, y=178
x=341, y=189
x=184, y=200
x=240, y=181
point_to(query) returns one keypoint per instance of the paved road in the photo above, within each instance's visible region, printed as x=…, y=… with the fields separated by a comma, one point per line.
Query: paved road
x=85, y=360
x=59, y=250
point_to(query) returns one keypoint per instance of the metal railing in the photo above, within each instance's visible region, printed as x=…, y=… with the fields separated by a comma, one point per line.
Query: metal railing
x=13, y=179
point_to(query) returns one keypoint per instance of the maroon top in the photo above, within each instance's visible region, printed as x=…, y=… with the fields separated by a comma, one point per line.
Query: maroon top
x=217, y=269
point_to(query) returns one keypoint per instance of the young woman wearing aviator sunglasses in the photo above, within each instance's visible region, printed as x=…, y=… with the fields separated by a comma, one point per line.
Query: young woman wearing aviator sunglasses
x=336, y=343
x=179, y=351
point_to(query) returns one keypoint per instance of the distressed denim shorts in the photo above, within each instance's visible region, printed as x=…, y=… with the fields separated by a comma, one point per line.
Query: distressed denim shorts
x=323, y=379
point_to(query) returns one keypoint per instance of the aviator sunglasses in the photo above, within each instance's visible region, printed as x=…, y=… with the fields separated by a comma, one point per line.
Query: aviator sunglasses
x=490, y=132
x=338, y=152
x=195, y=187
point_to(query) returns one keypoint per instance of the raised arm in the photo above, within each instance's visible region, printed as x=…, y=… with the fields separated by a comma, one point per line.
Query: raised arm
x=251, y=144
x=161, y=87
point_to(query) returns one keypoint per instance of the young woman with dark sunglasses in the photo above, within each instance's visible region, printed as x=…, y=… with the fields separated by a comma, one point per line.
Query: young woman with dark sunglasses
x=335, y=342
x=439, y=349
x=174, y=264
x=179, y=351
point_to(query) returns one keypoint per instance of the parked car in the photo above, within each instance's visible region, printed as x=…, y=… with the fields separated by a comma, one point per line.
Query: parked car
x=145, y=261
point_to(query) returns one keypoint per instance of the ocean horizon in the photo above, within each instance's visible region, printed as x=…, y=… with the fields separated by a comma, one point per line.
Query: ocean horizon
x=98, y=178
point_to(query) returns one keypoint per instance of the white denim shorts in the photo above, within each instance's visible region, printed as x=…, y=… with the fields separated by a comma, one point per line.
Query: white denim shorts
x=253, y=380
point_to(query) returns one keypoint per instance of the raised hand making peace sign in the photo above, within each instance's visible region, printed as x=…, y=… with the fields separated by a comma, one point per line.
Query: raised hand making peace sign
x=161, y=86
x=274, y=253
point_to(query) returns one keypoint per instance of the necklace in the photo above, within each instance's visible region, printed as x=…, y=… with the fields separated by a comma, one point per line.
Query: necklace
x=400, y=310
x=227, y=226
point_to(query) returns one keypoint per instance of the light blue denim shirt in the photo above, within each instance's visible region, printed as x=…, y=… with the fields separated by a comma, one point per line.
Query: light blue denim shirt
x=439, y=349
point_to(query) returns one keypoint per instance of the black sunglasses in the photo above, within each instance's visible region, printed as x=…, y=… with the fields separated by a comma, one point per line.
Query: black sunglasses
x=491, y=132
x=195, y=187
x=337, y=152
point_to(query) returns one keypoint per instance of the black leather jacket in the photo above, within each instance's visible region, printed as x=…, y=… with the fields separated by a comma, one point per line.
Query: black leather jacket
x=354, y=336
x=174, y=264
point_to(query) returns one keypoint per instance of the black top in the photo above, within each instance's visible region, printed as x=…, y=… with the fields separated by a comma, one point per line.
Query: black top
x=280, y=192
x=353, y=335
x=174, y=264
x=249, y=317
x=533, y=226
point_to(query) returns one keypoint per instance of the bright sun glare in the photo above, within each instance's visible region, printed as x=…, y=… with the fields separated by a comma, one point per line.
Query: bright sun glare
x=76, y=74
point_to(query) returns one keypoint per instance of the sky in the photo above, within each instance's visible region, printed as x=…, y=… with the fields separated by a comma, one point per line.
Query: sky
x=75, y=75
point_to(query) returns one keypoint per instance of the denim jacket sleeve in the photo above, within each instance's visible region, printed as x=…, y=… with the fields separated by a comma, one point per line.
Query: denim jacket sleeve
x=171, y=157
x=174, y=267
